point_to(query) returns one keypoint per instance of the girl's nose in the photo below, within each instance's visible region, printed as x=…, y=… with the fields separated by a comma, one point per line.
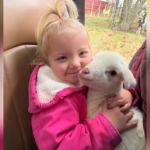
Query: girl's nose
x=75, y=63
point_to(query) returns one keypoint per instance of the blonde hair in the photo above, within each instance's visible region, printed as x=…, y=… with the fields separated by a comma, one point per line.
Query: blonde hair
x=61, y=16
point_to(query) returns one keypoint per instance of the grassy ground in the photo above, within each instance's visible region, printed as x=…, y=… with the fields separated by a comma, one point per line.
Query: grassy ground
x=103, y=38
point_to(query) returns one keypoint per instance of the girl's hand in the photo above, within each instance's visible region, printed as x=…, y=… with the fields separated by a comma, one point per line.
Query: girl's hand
x=124, y=101
x=121, y=121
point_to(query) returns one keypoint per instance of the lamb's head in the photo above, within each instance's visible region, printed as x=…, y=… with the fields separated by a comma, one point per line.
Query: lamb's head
x=107, y=73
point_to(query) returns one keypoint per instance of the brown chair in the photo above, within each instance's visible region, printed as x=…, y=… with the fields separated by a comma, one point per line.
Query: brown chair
x=20, y=21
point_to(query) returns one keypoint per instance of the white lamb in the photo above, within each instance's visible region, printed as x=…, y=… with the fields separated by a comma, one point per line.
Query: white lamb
x=105, y=76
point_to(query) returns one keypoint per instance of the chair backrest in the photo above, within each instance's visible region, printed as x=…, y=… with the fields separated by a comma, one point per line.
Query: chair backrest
x=20, y=21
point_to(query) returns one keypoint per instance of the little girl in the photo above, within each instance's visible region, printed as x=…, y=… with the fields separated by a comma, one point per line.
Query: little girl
x=56, y=101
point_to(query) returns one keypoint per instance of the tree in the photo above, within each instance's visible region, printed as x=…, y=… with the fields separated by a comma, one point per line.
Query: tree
x=114, y=13
x=130, y=10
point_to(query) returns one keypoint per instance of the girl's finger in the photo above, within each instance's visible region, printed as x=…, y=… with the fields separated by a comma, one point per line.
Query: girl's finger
x=125, y=108
x=118, y=103
x=131, y=124
x=129, y=116
x=115, y=98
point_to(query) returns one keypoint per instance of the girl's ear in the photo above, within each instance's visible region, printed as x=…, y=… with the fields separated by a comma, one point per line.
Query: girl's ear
x=129, y=80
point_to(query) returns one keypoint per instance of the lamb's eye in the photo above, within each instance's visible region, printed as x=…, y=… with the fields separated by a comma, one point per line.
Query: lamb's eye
x=113, y=72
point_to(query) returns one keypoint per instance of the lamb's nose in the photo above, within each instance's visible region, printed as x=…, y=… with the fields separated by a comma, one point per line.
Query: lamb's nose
x=85, y=71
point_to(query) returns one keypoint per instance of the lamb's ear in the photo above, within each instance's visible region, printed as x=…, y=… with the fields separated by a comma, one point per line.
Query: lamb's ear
x=129, y=80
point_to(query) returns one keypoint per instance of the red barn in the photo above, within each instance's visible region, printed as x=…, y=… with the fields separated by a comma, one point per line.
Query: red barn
x=95, y=6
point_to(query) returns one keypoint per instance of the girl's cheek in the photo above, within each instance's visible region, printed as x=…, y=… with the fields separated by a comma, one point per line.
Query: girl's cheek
x=86, y=61
x=90, y=59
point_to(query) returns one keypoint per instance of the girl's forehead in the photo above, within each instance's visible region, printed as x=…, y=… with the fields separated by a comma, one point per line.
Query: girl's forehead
x=69, y=40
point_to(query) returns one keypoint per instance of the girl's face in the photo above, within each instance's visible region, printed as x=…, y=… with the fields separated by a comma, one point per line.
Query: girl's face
x=69, y=53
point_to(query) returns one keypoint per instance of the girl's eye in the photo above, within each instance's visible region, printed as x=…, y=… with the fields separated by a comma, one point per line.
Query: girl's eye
x=62, y=58
x=83, y=53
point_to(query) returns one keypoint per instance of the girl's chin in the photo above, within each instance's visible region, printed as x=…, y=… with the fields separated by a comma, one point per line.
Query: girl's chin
x=74, y=81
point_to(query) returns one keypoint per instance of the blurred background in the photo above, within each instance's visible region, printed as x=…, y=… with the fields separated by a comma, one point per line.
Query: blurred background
x=117, y=25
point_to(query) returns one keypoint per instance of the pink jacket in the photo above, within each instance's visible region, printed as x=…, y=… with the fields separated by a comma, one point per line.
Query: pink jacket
x=60, y=123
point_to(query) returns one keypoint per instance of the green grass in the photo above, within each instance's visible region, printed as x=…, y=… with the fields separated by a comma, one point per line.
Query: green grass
x=103, y=38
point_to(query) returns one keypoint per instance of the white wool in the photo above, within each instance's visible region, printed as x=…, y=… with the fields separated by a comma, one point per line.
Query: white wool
x=106, y=75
